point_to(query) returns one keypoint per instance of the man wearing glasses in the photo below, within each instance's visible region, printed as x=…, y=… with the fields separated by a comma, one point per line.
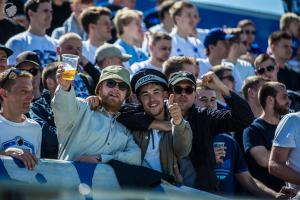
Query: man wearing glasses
x=20, y=137
x=29, y=61
x=94, y=136
x=205, y=123
x=265, y=66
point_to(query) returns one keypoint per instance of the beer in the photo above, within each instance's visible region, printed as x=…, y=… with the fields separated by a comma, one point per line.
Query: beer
x=69, y=74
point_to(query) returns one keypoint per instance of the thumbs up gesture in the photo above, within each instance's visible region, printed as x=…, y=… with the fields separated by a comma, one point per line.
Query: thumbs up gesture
x=174, y=110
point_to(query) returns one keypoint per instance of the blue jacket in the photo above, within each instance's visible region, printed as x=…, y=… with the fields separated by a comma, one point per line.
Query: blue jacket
x=41, y=112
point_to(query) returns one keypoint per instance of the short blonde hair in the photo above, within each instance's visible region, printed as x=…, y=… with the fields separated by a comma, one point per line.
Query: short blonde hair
x=124, y=17
x=67, y=36
x=287, y=19
x=177, y=8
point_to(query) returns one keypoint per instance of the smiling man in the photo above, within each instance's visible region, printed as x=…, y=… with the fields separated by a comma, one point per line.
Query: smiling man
x=161, y=150
x=20, y=137
x=94, y=136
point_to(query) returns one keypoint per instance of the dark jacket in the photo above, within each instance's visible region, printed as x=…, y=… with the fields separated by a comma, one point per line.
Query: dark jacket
x=207, y=123
x=41, y=112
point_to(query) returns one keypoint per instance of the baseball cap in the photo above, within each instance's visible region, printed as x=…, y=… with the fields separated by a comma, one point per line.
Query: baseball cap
x=181, y=76
x=145, y=76
x=28, y=56
x=109, y=50
x=115, y=72
x=8, y=51
x=215, y=35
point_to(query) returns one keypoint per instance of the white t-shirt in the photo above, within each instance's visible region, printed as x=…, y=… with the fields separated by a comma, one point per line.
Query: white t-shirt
x=152, y=155
x=144, y=64
x=26, y=135
x=204, y=66
x=88, y=51
x=189, y=46
x=44, y=46
x=243, y=67
x=287, y=135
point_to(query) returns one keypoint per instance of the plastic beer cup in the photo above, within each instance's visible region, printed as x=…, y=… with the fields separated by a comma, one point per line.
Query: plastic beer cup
x=70, y=63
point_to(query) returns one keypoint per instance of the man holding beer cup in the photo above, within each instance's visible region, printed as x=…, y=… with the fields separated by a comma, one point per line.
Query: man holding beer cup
x=94, y=136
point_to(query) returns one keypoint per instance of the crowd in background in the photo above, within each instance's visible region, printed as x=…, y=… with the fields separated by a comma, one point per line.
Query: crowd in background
x=206, y=106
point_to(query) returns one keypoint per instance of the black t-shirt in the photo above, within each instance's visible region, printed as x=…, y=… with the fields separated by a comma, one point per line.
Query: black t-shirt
x=290, y=78
x=8, y=29
x=260, y=133
x=60, y=14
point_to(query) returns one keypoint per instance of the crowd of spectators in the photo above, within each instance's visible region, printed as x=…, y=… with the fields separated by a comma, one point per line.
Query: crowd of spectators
x=207, y=107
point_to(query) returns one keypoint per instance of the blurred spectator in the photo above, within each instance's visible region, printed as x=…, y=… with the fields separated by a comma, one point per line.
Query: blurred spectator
x=11, y=28
x=265, y=66
x=73, y=24
x=198, y=32
x=231, y=169
x=248, y=35
x=89, y=141
x=217, y=49
x=4, y=54
x=29, y=61
x=161, y=150
x=61, y=12
x=70, y=43
x=166, y=22
x=180, y=63
x=281, y=46
x=284, y=158
x=20, y=136
x=129, y=30
x=250, y=89
x=243, y=68
x=39, y=14
x=41, y=112
x=97, y=24
x=290, y=23
x=108, y=55
x=182, y=13
x=224, y=73
x=160, y=48
x=259, y=135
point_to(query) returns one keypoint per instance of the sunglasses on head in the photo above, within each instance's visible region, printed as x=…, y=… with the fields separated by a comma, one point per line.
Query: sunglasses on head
x=112, y=83
x=32, y=71
x=187, y=90
x=248, y=32
x=12, y=74
x=229, y=77
x=263, y=70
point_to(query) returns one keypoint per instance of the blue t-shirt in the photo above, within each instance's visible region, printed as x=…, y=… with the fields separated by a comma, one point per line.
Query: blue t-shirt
x=260, y=133
x=233, y=164
x=137, y=54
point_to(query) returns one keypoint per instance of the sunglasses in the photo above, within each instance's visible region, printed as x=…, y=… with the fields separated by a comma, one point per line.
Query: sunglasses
x=12, y=74
x=112, y=84
x=32, y=71
x=187, y=90
x=263, y=70
x=247, y=32
x=229, y=77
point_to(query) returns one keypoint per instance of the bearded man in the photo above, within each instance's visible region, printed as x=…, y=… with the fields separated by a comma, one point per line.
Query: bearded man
x=94, y=136
x=258, y=137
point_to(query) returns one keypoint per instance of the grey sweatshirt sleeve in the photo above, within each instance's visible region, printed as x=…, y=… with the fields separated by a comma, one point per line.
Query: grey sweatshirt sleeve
x=182, y=138
x=65, y=107
x=131, y=153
